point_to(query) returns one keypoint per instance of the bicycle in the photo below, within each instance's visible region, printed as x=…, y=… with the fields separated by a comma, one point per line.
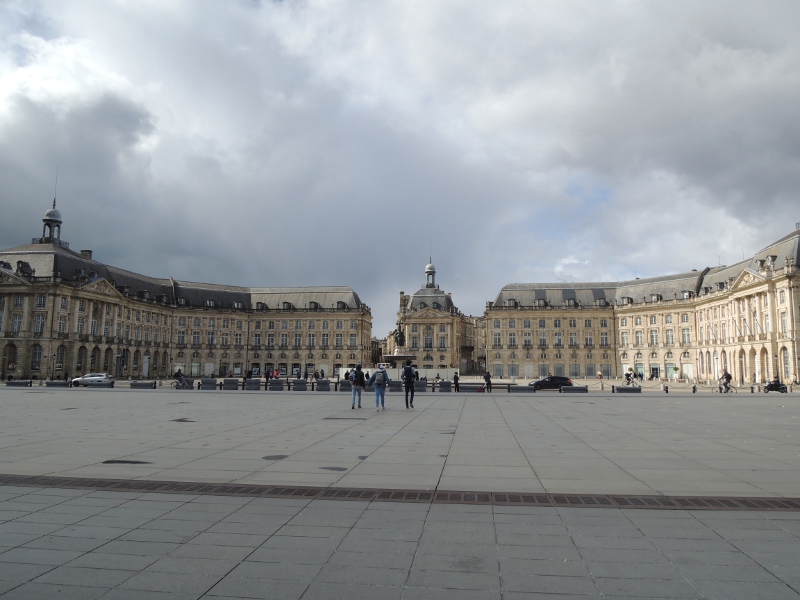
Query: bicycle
x=181, y=384
x=727, y=389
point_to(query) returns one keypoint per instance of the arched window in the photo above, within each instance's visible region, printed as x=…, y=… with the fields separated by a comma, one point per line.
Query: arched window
x=36, y=357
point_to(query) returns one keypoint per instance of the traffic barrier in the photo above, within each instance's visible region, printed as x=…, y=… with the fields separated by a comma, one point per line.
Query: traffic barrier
x=19, y=383
x=618, y=389
x=208, y=383
x=230, y=384
x=252, y=385
x=573, y=389
x=143, y=385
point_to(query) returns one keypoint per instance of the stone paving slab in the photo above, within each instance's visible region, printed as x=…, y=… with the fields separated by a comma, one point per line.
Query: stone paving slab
x=672, y=444
x=143, y=544
x=447, y=552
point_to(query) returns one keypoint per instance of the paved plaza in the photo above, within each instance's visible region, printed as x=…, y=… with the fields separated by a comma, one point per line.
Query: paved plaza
x=70, y=541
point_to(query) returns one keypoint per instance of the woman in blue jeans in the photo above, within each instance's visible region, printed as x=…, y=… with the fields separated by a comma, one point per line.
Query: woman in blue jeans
x=379, y=381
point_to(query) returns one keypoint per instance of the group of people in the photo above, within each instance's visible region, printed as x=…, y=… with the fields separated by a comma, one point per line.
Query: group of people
x=379, y=381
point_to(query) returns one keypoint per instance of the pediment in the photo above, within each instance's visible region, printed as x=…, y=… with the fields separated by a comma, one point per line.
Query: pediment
x=746, y=279
x=103, y=287
x=428, y=313
x=8, y=278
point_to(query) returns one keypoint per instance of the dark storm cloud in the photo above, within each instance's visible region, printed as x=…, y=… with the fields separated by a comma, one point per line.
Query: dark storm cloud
x=305, y=143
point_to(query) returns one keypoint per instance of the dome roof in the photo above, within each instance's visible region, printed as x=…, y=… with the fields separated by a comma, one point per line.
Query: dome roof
x=430, y=268
x=52, y=215
x=431, y=298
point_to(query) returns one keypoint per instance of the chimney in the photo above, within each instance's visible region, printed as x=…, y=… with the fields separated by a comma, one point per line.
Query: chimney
x=86, y=254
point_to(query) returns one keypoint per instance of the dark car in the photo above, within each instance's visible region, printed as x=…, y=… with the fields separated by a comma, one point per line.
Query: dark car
x=551, y=382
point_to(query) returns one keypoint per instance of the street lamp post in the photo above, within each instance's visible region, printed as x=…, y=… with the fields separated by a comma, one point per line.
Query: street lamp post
x=777, y=371
x=52, y=366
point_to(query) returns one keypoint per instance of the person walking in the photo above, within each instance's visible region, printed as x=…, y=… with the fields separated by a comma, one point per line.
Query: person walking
x=455, y=380
x=357, y=379
x=379, y=381
x=488, y=379
x=408, y=381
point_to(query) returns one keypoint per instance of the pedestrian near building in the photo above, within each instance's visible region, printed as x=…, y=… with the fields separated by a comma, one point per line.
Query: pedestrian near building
x=357, y=379
x=455, y=381
x=488, y=379
x=408, y=381
x=379, y=381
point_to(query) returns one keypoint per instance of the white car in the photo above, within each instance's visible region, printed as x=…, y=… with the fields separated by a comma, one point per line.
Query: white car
x=94, y=379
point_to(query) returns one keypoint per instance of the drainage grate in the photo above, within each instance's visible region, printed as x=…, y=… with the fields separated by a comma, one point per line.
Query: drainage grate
x=429, y=496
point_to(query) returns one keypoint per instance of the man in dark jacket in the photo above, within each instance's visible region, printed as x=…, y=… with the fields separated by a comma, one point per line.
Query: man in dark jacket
x=455, y=380
x=358, y=381
x=488, y=379
x=408, y=381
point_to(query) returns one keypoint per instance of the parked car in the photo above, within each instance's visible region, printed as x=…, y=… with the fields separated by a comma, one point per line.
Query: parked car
x=551, y=382
x=94, y=379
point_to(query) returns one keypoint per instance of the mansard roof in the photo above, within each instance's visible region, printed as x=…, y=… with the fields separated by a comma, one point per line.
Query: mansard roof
x=48, y=260
x=666, y=287
x=427, y=296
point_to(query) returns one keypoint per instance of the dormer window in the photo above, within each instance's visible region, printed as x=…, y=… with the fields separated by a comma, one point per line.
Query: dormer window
x=687, y=294
x=341, y=305
x=423, y=305
x=655, y=297
x=238, y=306
x=261, y=306
x=512, y=303
x=287, y=306
x=436, y=305
x=541, y=303
x=210, y=304
x=571, y=302
x=183, y=302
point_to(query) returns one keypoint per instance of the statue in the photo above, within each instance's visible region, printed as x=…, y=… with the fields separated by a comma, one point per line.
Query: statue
x=399, y=337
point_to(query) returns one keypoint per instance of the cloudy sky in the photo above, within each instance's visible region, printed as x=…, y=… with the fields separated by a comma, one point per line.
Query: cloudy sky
x=325, y=142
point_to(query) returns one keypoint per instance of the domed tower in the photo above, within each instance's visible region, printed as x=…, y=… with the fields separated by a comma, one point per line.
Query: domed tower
x=430, y=275
x=51, y=230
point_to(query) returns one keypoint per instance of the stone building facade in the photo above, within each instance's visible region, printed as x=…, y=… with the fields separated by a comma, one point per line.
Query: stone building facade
x=432, y=329
x=64, y=313
x=743, y=318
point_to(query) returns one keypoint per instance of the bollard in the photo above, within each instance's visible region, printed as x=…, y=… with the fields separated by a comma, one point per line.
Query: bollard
x=752, y=390
x=694, y=389
x=666, y=389
x=613, y=389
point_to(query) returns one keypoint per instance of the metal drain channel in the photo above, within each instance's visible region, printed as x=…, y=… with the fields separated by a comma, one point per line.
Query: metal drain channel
x=437, y=497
